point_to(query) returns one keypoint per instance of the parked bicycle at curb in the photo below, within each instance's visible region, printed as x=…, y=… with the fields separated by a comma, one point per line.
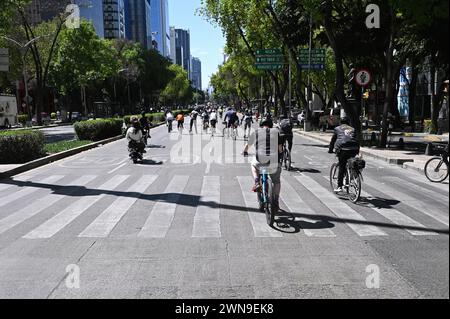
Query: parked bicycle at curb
x=352, y=178
x=436, y=169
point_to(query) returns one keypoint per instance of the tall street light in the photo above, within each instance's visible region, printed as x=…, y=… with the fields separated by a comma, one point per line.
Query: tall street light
x=23, y=51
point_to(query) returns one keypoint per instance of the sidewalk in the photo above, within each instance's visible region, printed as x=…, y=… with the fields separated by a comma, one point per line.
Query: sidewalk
x=405, y=158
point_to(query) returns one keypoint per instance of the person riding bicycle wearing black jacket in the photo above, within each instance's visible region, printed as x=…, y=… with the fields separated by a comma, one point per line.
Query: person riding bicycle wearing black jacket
x=286, y=133
x=346, y=145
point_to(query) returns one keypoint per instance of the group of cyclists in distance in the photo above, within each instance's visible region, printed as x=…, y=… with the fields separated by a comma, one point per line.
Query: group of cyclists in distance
x=268, y=141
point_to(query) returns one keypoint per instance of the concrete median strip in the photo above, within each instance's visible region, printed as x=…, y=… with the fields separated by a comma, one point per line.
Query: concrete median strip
x=56, y=157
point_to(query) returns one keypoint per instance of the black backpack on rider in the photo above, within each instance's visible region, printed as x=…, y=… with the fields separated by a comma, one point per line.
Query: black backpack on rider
x=285, y=127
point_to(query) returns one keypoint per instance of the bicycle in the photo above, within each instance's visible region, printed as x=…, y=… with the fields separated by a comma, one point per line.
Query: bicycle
x=234, y=132
x=169, y=125
x=436, y=168
x=352, y=178
x=287, y=160
x=265, y=196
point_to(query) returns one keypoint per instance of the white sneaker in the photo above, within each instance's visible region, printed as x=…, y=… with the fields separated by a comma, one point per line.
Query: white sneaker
x=338, y=190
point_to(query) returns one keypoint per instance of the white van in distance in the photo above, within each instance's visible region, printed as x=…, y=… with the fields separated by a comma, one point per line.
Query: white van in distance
x=8, y=110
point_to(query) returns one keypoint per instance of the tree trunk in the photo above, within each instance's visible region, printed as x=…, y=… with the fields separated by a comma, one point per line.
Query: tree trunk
x=389, y=84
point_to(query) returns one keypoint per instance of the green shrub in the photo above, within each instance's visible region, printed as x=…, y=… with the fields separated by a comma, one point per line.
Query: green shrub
x=427, y=126
x=162, y=118
x=97, y=130
x=18, y=147
x=22, y=119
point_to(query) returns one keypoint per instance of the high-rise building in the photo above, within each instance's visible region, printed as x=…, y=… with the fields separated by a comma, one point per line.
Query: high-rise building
x=138, y=22
x=44, y=10
x=160, y=26
x=114, y=19
x=173, y=46
x=183, y=49
x=196, y=76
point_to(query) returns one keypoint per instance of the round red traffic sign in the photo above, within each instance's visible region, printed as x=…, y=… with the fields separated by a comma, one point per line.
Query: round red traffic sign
x=363, y=77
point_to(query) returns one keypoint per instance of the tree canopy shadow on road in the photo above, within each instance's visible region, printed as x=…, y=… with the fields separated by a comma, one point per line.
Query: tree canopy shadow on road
x=150, y=162
x=195, y=201
x=155, y=146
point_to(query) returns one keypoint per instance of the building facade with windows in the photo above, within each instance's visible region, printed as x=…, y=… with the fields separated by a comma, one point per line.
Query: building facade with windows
x=196, y=76
x=114, y=19
x=160, y=26
x=183, y=49
x=138, y=22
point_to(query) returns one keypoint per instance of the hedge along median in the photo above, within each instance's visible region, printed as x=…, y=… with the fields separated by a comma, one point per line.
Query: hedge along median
x=17, y=147
x=97, y=130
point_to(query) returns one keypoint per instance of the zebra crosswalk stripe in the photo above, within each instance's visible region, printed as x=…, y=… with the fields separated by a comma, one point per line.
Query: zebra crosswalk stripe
x=28, y=190
x=4, y=187
x=160, y=219
x=257, y=219
x=61, y=220
x=40, y=205
x=207, y=219
x=433, y=195
x=392, y=192
x=340, y=209
x=105, y=223
x=292, y=200
x=400, y=219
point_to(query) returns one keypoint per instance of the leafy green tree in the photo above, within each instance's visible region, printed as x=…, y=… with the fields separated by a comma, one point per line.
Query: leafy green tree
x=178, y=90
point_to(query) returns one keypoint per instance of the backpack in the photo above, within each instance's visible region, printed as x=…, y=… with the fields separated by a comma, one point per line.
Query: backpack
x=286, y=127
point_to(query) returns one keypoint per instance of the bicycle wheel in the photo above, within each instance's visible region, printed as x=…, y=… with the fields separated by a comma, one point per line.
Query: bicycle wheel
x=354, y=185
x=287, y=159
x=334, y=176
x=269, y=205
x=436, y=170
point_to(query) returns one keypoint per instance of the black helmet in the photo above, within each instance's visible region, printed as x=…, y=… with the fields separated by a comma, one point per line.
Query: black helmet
x=266, y=122
x=345, y=120
x=143, y=113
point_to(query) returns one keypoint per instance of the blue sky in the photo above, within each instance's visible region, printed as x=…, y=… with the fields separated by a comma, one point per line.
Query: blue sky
x=207, y=41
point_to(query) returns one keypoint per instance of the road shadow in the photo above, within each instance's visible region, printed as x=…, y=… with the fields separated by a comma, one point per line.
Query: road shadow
x=150, y=162
x=377, y=202
x=155, y=146
x=314, y=145
x=305, y=170
x=323, y=221
x=285, y=222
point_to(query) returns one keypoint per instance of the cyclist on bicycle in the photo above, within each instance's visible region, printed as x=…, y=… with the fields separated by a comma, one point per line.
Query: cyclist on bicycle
x=286, y=133
x=205, y=119
x=231, y=118
x=145, y=125
x=268, y=146
x=248, y=120
x=213, y=119
x=346, y=145
x=180, y=120
x=193, y=123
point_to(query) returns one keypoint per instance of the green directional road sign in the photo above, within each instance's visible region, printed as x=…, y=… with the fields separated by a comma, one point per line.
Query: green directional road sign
x=272, y=67
x=270, y=59
x=269, y=52
x=318, y=59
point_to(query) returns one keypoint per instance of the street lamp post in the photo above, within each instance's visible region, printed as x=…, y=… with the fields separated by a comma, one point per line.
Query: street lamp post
x=23, y=51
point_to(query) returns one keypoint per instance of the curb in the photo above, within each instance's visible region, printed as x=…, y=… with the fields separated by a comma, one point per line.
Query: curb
x=396, y=161
x=59, y=156
x=55, y=157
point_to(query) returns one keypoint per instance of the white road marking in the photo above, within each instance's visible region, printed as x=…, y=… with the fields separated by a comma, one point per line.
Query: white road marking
x=340, y=209
x=39, y=205
x=257, y=219
x=160, y=219
x=399, y=218
x=423, y=179
x=433, y=195
x=105, y=223
x=28, y=190
x=296, y=205
x=122, y=164
x=418, y=204
x=207, y=219
x=61, y=220
x=24, y=178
